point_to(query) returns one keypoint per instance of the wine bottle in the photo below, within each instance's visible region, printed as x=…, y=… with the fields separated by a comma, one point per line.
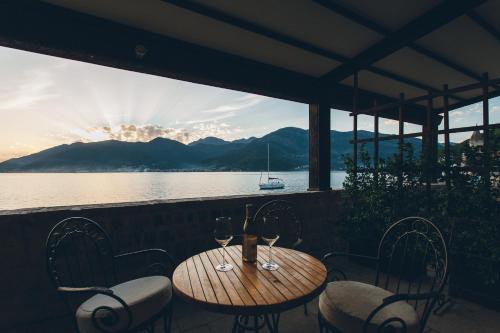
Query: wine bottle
x=249, y=251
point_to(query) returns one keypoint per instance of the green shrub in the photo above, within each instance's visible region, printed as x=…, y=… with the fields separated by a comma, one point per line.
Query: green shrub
x=469, y=207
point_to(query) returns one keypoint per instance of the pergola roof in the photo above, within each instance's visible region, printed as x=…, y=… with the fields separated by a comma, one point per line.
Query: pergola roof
x=300, y=50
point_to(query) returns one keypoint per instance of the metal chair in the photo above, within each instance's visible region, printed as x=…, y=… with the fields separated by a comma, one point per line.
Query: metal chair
x=290, y=237
x=290, y=224
x=412, y=264
x=82, y=266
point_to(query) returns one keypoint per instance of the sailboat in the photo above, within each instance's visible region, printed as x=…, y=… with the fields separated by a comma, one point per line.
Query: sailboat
x=273, y=183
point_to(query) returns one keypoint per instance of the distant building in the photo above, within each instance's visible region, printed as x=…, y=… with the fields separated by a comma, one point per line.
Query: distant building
x=476, y=140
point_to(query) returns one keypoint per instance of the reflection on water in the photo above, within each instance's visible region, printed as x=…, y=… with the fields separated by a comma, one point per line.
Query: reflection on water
x=28, y=190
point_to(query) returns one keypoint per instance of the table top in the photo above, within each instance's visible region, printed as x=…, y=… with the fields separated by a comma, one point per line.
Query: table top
x=248, y=288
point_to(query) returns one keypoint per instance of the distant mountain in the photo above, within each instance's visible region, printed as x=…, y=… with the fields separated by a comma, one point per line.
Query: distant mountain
x=288, y=146
x=209, y=140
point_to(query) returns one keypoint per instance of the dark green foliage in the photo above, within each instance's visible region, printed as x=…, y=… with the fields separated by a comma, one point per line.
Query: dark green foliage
x=469, y=207
x=373, y=202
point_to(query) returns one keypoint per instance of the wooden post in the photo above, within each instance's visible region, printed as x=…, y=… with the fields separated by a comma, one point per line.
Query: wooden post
x=486, y=122
x=400, y=139
x=375, y=148
x=446, y=135
x=401, y=128
x=427, y=147
x=355, y=124
x=319, y=147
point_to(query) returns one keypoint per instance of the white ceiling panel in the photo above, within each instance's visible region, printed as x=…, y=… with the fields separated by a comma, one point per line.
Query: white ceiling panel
x=168, y=20
x=466, y=43
x=490, y=11
x=418, y=67
x=391, y=14
x=304, y=20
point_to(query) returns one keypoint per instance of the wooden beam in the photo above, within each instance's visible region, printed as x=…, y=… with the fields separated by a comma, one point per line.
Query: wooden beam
x=446, y=136
x=469, y=128
x=473, y=86
x=427, y=150
x=361, y=20
x=386, y=137
x=69, y=34
x=376, y=141
x=401, y=128
x=319, y=147
x=255, y=28
x=47, y=29
x=485, y=25
x=355, y=124
x=473, y=100
x=438, y=16
x=486, y=134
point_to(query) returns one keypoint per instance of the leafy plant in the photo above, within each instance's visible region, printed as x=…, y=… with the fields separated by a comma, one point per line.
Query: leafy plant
x=469, y=207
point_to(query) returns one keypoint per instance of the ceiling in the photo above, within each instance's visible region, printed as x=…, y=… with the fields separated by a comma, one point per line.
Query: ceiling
x=409, y=47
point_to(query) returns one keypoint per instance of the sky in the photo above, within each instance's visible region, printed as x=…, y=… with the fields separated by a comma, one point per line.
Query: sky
x=47, y=101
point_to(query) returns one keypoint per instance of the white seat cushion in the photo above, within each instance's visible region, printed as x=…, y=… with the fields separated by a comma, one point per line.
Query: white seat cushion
x=145, y=297
x=347, y=304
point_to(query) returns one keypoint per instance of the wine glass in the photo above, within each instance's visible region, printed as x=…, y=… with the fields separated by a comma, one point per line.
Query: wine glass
x=223, y=234
x=270, y=235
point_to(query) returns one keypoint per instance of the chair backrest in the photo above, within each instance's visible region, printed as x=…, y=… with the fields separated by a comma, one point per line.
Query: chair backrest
x=79, y=254
x=413, y=258
x=290, y=224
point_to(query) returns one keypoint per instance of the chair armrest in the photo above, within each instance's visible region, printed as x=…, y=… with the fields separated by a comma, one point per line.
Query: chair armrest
x=409, y=297
x=337, y=274
x=297, y=244
x=390, y=300
x=102, y=320
x=95, y=290
x=168, y=260
x=347, y=254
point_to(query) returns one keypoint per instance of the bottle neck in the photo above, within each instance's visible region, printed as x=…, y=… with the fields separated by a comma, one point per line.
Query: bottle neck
x=248, y=212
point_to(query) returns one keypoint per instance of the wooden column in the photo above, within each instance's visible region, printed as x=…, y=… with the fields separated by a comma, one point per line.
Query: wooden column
x=486, y=134
x=446, y=135
x=401, y=127
x=427, y=146
x=355, y=124
x=375, y=141
x=401, y=139
x=319, y=147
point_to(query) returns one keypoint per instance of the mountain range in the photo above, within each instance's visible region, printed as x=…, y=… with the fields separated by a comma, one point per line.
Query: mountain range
x=288, y=146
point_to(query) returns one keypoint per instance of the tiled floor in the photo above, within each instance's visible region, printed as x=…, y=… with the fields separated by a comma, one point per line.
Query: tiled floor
x=460, y=317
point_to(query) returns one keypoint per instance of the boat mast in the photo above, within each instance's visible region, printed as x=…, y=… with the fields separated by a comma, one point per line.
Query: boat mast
x=268, y=162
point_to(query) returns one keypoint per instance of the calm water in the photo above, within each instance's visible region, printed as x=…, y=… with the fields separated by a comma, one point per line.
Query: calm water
x=29, y=190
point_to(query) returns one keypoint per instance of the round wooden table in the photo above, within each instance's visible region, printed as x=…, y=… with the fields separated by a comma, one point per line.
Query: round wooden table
x=248, y=289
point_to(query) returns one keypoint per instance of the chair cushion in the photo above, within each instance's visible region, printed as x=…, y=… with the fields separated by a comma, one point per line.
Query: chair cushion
x=347, y=304
x=145, y=297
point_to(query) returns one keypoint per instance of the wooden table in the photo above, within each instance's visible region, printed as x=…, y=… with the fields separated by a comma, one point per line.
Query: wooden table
x=248, y=289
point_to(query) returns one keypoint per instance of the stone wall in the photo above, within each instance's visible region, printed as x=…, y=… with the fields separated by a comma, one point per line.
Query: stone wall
x=182, y=227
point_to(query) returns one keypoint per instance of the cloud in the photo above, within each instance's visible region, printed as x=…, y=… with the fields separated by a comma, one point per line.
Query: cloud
x=33, y=87
x=127, y=132
x=145, y=133
x=456, y=114
x=243, y=102
x=211, y=119
x=390, y=122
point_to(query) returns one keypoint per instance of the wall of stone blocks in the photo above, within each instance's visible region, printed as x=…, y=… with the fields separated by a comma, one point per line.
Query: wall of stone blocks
x=182, y=227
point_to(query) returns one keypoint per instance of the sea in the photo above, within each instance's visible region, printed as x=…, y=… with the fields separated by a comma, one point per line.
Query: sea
x=35, y=190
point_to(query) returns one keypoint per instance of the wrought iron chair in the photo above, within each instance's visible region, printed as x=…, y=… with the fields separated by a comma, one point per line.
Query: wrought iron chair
x=412, y=263
x=82, y=266
x=290, y=224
